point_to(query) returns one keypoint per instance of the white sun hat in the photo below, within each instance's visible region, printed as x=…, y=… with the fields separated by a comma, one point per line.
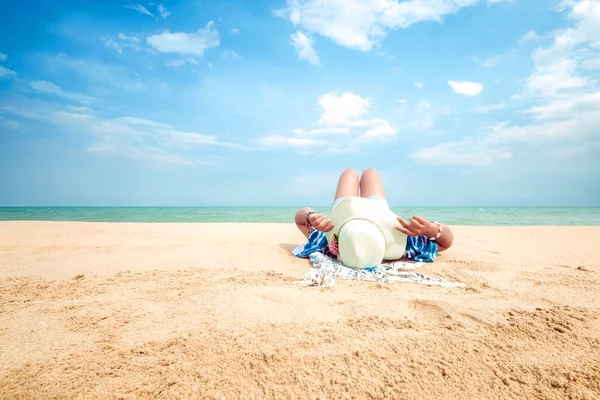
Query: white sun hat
x=365, y=231
x=361, y=244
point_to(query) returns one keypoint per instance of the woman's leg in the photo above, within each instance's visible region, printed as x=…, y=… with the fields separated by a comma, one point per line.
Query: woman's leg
x=301, y=220
x=347, y=185
x=370, y=184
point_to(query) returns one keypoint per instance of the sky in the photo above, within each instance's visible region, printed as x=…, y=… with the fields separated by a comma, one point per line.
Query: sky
x=248, y=103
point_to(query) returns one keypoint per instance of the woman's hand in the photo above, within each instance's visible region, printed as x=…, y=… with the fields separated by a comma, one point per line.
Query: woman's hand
x=320, y=223
x=417, y=226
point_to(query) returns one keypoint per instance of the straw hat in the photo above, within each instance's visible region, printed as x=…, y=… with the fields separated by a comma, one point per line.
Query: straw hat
x=365, y=231
x=361, y=244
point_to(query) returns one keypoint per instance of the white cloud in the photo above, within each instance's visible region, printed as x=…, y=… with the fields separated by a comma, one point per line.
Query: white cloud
x=139, y=8
x=175, y=63
x=491, y=107
x=51, y=88
x=556, y=66
x=304, y=47
x=234, y=31
x=130, y=38
x=564, y=119
x=194, y=44
x=566, y=112
x=549, y=79
x=530, y=36
x=343, y=114
x=425, y=116
x=418, y=85
x=197, y=138
x=576, y=151
x=10, y=124
x=424, y=123
x=401, y=106
x=101, y=74
x=132, y=137
x=180, y=62
x=569, y=129
x=164, y=13
x=281, y=141
x=148, y=155
x=111, y=44
x=341, y=108
x=465, y=152
x=3, y=57
x=567, y=107
x=586, y=16
x=322, y=131
x=423, y=106
x=6, y=73
x=491, y=62
x=81, y=109
x=591, y=64
x=380, y=129
x=466, y=88
x=362, y=24
x=231, y=55
x=124, y=41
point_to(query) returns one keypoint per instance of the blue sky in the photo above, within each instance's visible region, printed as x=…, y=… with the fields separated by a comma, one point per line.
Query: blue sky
x=455, y=102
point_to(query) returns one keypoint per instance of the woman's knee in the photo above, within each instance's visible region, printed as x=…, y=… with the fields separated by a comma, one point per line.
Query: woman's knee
x=301, y=215
x=369, y=172
x=350, y=172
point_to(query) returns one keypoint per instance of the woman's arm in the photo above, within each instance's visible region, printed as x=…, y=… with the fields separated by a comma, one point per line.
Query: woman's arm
x=420, y=226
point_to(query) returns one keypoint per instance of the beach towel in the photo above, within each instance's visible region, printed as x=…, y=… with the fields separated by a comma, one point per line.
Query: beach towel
x=326, y=269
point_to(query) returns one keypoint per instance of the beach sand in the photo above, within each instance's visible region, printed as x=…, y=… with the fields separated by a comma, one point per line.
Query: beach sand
x=119, y=310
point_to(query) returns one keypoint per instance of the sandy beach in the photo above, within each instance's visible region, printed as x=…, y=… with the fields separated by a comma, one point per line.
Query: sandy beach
x=123, y=311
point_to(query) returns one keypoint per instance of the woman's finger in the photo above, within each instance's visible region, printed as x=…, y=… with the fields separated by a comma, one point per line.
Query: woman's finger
x=322, y=226
x=316, y=219
x=329, y=226
x=422, y=221
x=414, y=222
x=408, y=227
x=321, y=222
x=405, y=231
x=418, y=227
x=405, y=224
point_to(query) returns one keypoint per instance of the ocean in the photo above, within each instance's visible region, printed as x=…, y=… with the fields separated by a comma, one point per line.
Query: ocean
x=482, y=216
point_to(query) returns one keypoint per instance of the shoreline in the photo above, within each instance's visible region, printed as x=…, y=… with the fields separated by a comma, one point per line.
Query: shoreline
x=259, y=223
x=43, y=221
x=460, y=216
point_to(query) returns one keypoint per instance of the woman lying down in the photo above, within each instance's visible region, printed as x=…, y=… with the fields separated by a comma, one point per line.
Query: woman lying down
x=362, y=231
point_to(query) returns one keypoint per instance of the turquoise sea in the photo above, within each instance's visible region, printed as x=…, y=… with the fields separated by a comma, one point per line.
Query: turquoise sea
x=490, y=216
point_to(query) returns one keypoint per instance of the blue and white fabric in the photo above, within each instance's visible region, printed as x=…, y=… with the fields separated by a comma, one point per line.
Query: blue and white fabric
x=418, y=248
x=326, y=269
x=316, y=242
